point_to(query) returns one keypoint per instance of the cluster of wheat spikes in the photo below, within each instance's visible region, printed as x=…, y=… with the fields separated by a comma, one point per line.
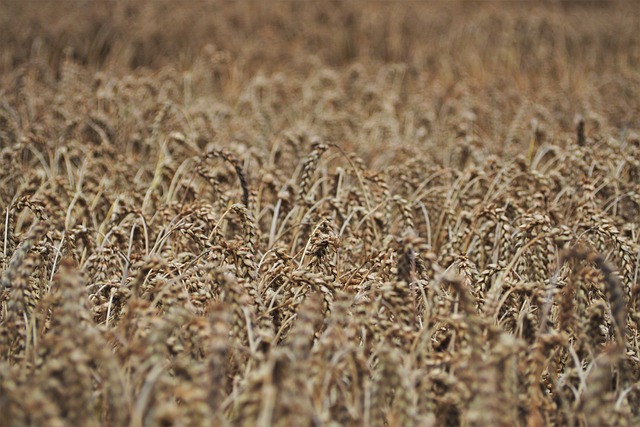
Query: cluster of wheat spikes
x=387, y=216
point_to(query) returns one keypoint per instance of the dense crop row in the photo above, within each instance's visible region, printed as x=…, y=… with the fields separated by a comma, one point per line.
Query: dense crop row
x=358, y=213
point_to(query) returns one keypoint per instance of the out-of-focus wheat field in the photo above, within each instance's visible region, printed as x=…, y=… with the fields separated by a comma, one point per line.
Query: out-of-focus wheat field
x=301, y=213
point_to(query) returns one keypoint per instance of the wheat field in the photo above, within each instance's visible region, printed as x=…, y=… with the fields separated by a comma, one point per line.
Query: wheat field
x=341, y=213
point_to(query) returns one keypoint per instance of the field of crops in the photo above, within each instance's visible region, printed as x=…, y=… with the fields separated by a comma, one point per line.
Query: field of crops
x=301, y=213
